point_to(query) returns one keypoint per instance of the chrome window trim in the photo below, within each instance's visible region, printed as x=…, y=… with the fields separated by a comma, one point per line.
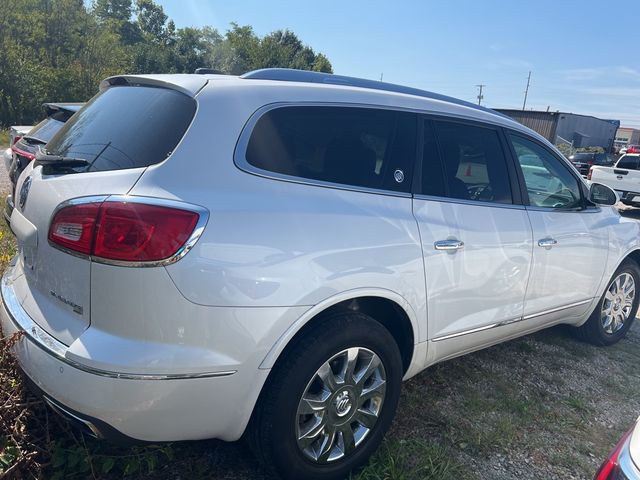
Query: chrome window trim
x=462, y=201
x=510, y=321
x=564, y=210
x=203, y=218
x=57, y=349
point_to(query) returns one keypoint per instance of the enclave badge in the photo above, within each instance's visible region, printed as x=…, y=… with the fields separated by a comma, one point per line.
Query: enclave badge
x=24, y=192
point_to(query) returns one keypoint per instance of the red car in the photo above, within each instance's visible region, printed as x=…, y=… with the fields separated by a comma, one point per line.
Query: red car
x=633, y=149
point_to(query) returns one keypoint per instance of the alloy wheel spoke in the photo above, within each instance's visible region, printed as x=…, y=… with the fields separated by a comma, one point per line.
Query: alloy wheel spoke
x=350, y=364
x=328, y=377
x=327, y=445
x=348, y=440
x=365, y=418
x=310, y=405
x=609, y=295
x=376, y=390
x=365, y=373
x=311, y=432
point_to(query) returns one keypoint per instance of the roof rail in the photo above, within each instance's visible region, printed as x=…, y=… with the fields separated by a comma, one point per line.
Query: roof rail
x=292, y=75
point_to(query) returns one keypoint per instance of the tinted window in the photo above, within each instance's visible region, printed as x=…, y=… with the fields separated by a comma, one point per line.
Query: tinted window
x=46, y=129
x=549, y=182
x=630, y=162
x=126, y=127
x=363, y=147
x=475, y=167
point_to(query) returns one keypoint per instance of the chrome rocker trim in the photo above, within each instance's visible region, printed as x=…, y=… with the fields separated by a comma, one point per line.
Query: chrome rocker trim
x=509, y=322
x=49, y=344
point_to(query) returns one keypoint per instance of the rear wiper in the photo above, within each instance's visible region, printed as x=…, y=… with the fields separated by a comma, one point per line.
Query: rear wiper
x=48, y=159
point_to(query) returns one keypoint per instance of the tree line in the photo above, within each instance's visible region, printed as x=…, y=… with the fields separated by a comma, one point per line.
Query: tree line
x=59, y=50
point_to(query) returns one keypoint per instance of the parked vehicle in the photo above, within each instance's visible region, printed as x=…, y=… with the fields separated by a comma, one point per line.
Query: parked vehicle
x=623, y=177
x=583, y=161
x=633, y=149
x=274, y=253
x=24, y=145
x=622, y=463
x=15, y=133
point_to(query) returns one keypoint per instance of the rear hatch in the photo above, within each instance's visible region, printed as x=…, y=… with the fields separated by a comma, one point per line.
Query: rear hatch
x=120, y=132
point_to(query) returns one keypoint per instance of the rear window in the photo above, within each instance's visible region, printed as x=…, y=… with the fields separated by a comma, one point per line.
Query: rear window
x=362, y=147
x=125, y=127
x=46, y=129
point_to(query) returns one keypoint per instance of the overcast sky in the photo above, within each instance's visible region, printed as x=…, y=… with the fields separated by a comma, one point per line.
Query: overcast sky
x=583, y=55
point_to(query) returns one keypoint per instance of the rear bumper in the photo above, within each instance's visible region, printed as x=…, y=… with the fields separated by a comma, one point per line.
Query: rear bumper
x=126, y=406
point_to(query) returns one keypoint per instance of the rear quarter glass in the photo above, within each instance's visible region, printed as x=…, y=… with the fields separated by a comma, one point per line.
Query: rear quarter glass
x=126, y=127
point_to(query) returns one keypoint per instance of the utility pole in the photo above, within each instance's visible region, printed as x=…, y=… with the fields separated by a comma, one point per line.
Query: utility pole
x=480, y=96
x=381, y=75
x=526, y=92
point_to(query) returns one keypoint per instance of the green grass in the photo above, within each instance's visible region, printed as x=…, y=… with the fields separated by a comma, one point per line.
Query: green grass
x=412, y=460
x=4, y=138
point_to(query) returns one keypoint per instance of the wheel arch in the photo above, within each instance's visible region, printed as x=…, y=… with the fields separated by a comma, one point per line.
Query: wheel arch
x=386, y=307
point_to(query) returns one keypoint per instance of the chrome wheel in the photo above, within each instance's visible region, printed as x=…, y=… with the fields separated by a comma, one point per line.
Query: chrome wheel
x=340, y=405
x=618, y=303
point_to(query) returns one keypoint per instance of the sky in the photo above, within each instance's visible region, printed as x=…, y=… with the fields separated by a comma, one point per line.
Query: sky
x=582, y=54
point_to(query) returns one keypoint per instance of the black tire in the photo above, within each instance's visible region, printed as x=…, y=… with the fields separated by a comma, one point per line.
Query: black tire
x=272, y=431
x=593, y=330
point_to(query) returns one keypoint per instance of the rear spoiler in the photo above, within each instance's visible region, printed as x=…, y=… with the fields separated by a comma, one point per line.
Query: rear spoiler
x=188, y=84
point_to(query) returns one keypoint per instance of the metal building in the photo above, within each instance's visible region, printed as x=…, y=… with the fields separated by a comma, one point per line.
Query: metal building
x=562, y=127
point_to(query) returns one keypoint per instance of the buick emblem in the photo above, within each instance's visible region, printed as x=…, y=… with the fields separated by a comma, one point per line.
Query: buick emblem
x=24, y=192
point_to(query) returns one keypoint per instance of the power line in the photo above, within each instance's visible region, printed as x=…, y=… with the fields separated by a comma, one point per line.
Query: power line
x=480, y=96
x=526, y=92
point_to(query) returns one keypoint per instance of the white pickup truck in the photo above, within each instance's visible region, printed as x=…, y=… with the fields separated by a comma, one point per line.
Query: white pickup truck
x=623, y=177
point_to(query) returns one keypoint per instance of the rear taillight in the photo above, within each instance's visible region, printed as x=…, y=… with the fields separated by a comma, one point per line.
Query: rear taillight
x=590, y=173
x=609, y=468
x=16, y=139
x=124, y=231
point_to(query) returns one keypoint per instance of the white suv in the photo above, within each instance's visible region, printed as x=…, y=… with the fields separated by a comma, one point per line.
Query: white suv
x=204, y=255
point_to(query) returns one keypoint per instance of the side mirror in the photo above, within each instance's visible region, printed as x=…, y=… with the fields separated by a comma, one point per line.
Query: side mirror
x=602, y=195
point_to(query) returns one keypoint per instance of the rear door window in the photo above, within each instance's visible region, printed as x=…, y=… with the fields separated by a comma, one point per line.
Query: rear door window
x=125, y=127
x=361, y=147
x=475, y=166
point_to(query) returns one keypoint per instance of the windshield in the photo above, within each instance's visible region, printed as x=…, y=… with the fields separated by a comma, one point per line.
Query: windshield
x=125, y=127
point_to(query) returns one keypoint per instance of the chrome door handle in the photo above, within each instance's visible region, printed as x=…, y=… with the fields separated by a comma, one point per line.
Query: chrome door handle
x=547, y=243
x=448, y=245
